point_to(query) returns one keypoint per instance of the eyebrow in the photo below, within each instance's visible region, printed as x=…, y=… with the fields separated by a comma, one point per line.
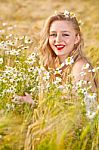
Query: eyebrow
x=61, y=31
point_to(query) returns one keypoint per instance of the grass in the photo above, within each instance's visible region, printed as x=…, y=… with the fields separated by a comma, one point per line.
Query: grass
x=56, y=124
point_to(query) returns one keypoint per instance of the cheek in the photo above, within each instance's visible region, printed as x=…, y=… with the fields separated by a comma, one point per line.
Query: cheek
x=70, y=41
x=67, y=41
x=50, y=41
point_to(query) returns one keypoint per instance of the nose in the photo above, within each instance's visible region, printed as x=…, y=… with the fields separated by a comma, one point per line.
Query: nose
x=58, y=38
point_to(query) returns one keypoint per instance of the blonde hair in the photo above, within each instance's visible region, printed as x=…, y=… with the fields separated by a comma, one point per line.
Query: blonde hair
x=47, y=53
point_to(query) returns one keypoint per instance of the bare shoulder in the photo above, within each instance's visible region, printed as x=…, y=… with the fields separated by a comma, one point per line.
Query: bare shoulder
x=80, y=71
x=79, y=64
x=77, y=68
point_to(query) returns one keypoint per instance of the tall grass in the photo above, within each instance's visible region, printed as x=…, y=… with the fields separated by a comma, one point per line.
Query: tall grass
x=59, y=120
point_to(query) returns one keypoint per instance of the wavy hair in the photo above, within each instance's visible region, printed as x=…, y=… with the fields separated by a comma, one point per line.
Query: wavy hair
x=45, y=49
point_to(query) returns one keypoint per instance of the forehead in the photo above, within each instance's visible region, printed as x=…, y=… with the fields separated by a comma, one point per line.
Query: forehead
x=61, y=25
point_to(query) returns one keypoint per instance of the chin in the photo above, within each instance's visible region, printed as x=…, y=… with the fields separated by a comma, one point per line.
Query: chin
x=61, y=53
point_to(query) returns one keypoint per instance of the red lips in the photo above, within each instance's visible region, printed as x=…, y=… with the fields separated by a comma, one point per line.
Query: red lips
x=59, y=46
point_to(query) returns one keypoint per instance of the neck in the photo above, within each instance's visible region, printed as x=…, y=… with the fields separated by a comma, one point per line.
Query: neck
x=62, y=58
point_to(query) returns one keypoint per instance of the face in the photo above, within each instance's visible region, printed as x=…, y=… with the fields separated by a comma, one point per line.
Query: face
x=62, y=37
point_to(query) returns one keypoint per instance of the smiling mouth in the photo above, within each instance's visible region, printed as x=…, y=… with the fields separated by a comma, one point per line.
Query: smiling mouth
x=59, y=46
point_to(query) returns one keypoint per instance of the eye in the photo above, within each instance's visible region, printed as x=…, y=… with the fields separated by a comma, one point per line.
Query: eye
x=53, y=35
x=64, y=34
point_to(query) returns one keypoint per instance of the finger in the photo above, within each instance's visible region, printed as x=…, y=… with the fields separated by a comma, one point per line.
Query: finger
x=18, y=97
x=26, y=94
x=21, y=98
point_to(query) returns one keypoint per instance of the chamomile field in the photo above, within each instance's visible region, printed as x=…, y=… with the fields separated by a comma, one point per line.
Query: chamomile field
x=58, y=119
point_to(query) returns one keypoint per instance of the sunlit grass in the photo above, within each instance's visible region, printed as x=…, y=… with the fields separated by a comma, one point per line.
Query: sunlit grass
x=60, y=121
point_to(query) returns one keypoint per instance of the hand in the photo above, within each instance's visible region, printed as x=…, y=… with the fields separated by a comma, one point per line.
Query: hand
x=27, y=98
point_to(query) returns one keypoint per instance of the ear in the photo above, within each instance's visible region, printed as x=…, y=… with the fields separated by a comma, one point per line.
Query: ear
x=77, y=39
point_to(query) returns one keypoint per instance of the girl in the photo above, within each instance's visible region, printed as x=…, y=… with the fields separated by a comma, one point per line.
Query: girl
x=61, y=47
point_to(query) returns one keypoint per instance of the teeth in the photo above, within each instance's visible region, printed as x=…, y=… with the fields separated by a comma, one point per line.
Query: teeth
x=60, y=46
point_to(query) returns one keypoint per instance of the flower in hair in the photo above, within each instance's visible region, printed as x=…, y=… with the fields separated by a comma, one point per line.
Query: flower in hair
x=72, y=15
x=80, y=23
x=69, y=14
x=55, y=12
x=66, y=13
